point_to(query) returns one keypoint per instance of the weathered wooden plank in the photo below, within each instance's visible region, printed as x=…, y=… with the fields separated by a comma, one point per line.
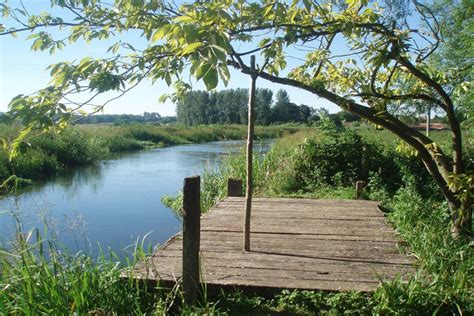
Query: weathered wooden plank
x=282, y=258
x=356, y=254
x=288, y=207
x=284, y=243
x=256, y=221
x=309, y=237
x=340, y=231
x=318, y=266
x=302, y=201
x=303, y=214
x=369, y=241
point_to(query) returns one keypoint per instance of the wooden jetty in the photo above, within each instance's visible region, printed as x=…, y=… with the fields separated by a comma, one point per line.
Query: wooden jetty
x=332, y=245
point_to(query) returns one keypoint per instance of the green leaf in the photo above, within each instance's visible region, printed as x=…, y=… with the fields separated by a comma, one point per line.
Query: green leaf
x=211, y=79
x=264, y=42
x=224, y=73
x=161, y=32
x=168, y=78
x=183, y=19
x=4, y=144
x=202, y=70
x=31, y=36
x=191, y=48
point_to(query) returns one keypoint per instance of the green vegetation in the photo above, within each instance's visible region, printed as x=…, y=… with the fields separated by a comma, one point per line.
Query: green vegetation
x=53, y=152
x=298, y=166
x=385, y=66
x=40, y=277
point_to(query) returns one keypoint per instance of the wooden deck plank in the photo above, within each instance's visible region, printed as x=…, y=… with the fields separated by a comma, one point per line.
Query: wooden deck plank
x=296, y=244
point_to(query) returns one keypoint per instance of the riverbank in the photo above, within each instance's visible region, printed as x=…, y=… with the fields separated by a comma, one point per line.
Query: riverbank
x=316, y=164
x=52, y=153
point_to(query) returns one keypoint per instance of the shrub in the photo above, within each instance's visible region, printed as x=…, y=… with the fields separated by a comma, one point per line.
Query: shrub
x=72, y=146
x=334, y=159
x=35, y=163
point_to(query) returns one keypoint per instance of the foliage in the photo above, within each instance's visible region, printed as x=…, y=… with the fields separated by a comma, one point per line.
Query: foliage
x=384, y=67
x=457, y=21
x=445, y=280
x=39, y=277
x=147, y=117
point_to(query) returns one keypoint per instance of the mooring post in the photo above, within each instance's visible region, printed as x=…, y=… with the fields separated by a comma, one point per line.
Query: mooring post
x=359, y=188
x=234, y=187
x=191, y=237
x=249, y=183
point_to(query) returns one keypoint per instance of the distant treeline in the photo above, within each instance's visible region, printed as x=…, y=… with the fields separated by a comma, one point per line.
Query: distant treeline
x=147, y=117
x=230, y=107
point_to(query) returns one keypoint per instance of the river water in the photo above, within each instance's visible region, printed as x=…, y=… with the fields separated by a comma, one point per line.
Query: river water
x=112, y=204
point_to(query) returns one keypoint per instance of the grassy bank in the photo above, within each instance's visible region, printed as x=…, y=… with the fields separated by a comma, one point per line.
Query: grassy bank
x=324, y=164
x=309, y=163
x=53, y=152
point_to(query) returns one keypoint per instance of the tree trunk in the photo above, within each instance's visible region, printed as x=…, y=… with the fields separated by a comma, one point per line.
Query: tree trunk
x=461, y=218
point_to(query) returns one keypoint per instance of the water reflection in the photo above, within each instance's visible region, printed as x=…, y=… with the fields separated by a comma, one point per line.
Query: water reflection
x=116, y=202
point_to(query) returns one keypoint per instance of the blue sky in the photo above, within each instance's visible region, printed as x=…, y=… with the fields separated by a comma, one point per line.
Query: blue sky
x=23, y=72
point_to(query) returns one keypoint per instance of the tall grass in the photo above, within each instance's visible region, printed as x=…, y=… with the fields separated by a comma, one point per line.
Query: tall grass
x=39, y=277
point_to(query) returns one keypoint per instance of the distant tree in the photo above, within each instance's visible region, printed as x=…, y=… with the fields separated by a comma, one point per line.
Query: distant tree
x=263, y=105
x=222, y=107
x=281, y=109
x=304, y=113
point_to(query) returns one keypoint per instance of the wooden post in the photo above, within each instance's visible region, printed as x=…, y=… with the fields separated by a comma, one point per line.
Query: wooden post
x=234, y=187
x=359, y=188
x=191, y=237
x=249, y=186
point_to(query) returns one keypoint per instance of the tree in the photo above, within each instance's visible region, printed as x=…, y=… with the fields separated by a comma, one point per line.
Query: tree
x=222, y=107
x=457, y=21
x=386, y=61
x=263, y=104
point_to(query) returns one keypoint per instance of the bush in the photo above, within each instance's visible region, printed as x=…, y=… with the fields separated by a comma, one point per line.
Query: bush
x=35, y=163
x=72, y=146
x=334, y=160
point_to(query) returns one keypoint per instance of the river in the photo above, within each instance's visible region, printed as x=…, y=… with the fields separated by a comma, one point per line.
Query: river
x=114, y=203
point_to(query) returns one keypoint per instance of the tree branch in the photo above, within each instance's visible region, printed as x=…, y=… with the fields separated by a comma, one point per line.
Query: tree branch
x=434, y=161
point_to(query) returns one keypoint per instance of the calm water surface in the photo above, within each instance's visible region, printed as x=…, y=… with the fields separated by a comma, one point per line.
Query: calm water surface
x=116, y=202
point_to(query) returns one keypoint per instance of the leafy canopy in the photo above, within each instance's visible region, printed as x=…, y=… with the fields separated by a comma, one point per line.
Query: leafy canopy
x=368, y=58
x=203, y=38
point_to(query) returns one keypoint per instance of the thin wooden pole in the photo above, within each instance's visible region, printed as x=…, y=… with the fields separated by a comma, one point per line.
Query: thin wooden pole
x=191, y=237
x=249, y=184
